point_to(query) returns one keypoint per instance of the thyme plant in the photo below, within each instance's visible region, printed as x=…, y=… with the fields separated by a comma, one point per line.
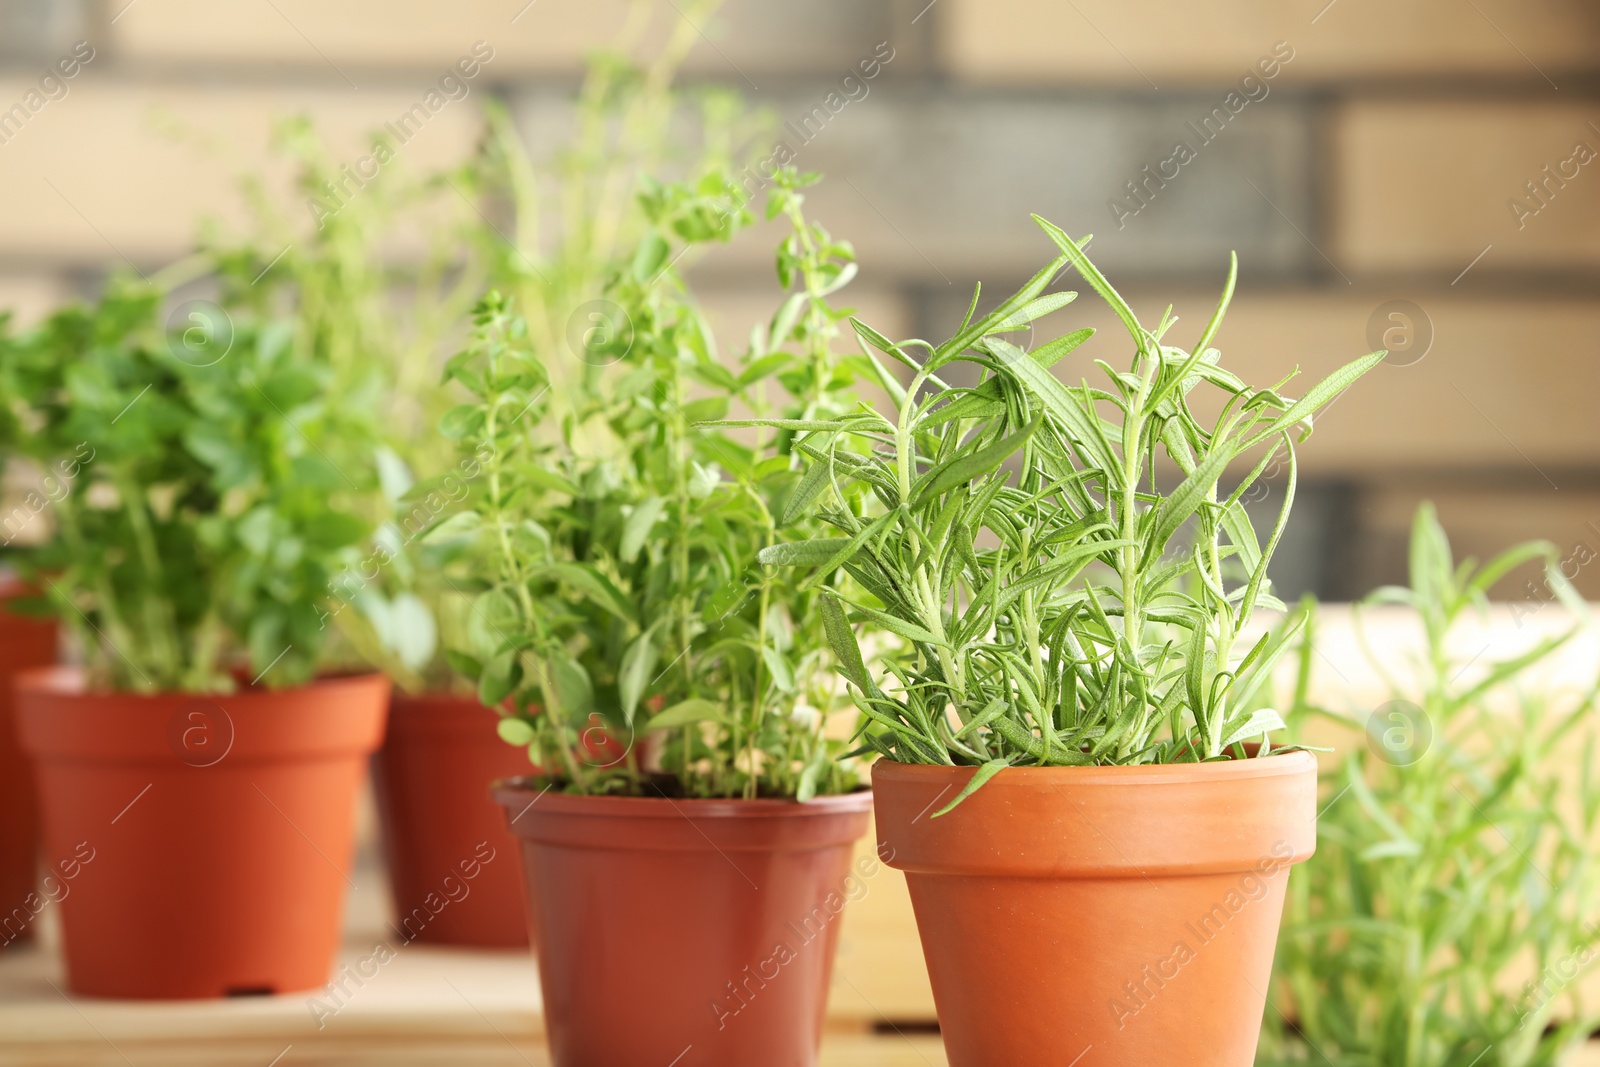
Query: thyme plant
x=1059, y=603
x=1448, y=915
x=624, y=595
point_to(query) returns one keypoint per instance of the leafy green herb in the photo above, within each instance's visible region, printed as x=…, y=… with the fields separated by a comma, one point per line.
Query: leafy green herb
x=1060, y=606
x=1448, y=915
x=621, y=558
x=211, y=479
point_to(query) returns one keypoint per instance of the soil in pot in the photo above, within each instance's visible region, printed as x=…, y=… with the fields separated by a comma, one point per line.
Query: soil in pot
x=24, y=642
x=698, y=933
x=1101, y=916
x=214, y=833
x=454, y=868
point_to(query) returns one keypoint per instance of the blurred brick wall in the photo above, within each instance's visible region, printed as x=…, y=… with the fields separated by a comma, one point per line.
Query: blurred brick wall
x=1377, y=176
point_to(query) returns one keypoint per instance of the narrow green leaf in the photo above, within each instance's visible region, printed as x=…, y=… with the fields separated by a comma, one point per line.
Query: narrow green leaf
x=802, y=553
x=976, y=782
x=812, y=483
x=1319, y=394
x=842, y=638
x=1258, y=723
x=963, y=468
x=638, y=664
x=685, y=713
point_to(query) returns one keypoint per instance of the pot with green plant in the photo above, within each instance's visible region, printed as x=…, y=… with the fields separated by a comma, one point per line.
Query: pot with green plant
x=443, y=838
x=25, y=642
x=404, y=604
x=198, y=773
x=1449, y=915
x=1077, y=771
x=685, y=886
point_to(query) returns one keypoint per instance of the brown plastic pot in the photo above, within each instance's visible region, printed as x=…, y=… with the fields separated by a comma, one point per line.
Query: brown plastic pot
x=1100, y=916
x=453, y=865
x=218, y=829
x=697, y=933
x=24, y=642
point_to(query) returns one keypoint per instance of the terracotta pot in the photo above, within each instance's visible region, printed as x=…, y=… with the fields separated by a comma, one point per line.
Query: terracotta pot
x=218, y=829
x=453, y=865
x=24, y=642
x=1100, y=916
x=697, y=933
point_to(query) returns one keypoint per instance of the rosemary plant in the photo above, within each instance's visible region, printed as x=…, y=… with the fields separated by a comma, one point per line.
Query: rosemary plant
x=624, y=594
x=1060, y=606
x=1448, y=915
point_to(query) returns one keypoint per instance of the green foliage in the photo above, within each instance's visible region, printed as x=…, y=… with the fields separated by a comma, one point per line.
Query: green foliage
x=361, y=301
x=1444, y=879
x=620, y=559
x=381, y=323
x=1064, y=606
x=209, y=475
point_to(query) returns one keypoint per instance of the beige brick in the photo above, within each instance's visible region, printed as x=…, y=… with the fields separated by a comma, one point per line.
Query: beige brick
x=550, y=33
x=93, y=177
x=1139, y=42
x=1508, y=384
x=1429, y=186
x=745, y=36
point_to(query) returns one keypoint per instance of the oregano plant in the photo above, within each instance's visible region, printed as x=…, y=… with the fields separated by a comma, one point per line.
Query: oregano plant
x=1070, y=578
x=625, y=619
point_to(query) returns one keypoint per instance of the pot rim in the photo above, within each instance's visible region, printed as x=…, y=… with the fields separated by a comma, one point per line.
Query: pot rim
x=1272, y=765
x=65, y=681
x=513, y=792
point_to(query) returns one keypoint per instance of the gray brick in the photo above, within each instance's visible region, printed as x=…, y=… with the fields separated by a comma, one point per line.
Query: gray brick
x=39, y=29
x=934, y=186
x=781, y=36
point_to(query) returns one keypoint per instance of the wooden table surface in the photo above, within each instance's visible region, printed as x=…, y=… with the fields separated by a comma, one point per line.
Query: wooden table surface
x=433, y=1006
x=427, y=1006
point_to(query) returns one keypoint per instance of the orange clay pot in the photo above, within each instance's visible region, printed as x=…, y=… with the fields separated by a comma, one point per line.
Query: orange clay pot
x=215, y=831
x=1100, y=916
x=24, y=642
x=453, y=865
x=696, y=933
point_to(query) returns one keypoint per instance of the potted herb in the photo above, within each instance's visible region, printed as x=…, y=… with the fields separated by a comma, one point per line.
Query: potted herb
x=1077, y=775
x=387, y=603
x=693, y=868
x=1449, y=914
x=405, y=602
x=198, y=754
x=25, y=642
